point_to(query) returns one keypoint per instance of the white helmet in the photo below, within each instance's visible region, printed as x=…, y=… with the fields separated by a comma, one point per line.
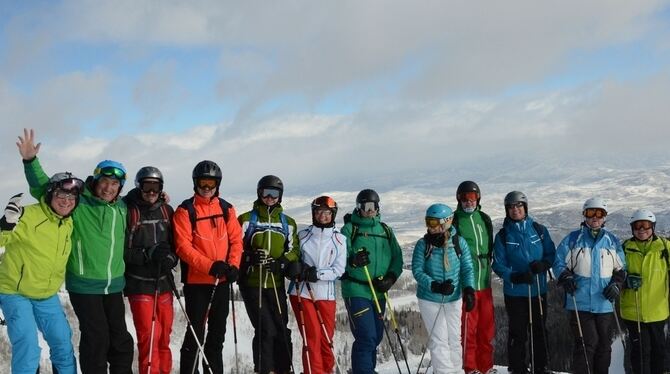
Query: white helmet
x=643, y=215
x=595, y=202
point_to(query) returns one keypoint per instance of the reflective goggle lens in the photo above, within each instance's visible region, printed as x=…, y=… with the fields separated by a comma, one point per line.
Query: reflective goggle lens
x=151, y=186
x=207, y=183
x=642, y=225
x=72, y=184
x=111, y=172
x=270, y=192
x=323, y=212
x=469, y=196
x=367, y=206
x=434, y=222
x=594, y=212
x=514, y=205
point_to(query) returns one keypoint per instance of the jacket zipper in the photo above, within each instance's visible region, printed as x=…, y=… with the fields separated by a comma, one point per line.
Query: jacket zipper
x=18, y=284
x=111, y=251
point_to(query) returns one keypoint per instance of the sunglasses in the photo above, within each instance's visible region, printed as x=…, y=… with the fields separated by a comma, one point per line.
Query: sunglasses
x=66, y=194
x=433, y=222
x=151, y=186
x=207, y=183
x=514, y=205
x=368, y=206
x=270, y=193
x=594, y=212
x=642, y=225
x=468, y=196
x=111, y=172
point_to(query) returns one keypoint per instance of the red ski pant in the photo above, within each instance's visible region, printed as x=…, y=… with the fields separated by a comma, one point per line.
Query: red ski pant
x=478, y=331
x=142, y=307
x=321, y=359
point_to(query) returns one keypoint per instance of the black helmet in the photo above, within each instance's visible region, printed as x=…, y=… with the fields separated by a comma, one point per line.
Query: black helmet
x=516, y=197
x=367, y=196
x=468, y=186
x=324, y=202
x=207, y=169
x=146, y=173
x=66, y=182
x=270, y=181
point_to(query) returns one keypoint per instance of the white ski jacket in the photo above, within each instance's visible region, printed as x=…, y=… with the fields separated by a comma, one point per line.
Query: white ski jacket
x=325, y=248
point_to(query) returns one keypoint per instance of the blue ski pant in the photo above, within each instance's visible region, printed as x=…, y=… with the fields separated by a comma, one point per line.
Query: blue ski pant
x=368, y=329
x=24, y=317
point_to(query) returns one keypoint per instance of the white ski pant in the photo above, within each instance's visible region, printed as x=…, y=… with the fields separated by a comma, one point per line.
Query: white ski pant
x=444, y=343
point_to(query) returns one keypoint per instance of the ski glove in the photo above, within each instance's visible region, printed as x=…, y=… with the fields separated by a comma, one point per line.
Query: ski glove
x=521, y=277
x=13, y=212
x=469, y=298
x=612, y=291
x=384, y=283
x=539, y=267
x=634, y=281
x=567, y=281
x=278, y=266
x=310, y=274
x=360, y=259
x=444, y=288
x=260, y=257
x=231, y=274
x=219, y=269
x=294, y=270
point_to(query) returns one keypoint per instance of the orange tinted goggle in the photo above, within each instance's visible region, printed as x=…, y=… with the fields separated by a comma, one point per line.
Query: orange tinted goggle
x=434, y=222
x=642, y=225
x=207, y=183
x=594, y=212
x=468, y=196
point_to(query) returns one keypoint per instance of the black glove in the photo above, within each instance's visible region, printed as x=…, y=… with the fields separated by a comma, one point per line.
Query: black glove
x=260, y=257
x=278, y=266
x=469, y=298
x=360, y=259
x=168, y=262
x=219, y=269
x=310, y=274
x=634, y=281
x=618, y=277
x=384, y=283
x=294, y=270
x=567, y=281
x=444, y=288
x=520, y=278
x=612, y=291
x=232, y=274
x=539, y=267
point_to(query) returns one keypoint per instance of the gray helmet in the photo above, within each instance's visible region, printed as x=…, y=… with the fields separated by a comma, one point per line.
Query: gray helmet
x=66, y=182
x=516, y=197
x=270, y=181
x=148, y=172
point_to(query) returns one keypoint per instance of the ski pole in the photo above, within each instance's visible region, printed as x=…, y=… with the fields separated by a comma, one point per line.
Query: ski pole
x=305, y=347
x=539, y=301
x=581, y=335
x=232, y=306
x=430, y=335
x=381, y=316
x=618, y=326
x=465, y=335
x=153, y=318
x=204, y=326
x=639, y=329
x=397, y=331
x=188, y=320
x=259, y=321
x=530, y=324
x=283, y=328
x=323, y=324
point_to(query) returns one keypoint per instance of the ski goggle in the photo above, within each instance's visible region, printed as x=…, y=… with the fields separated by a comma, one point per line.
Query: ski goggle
x=514, y=205
x=207, y=183
x=71, y=185
x=368, y=206
x=642, y=225
x=270, y=193
x=151, y=186
x=468, y=196
x=111, y=172
x=66, y=194
x=323, y=212
x=594, y=212
x=433, y=222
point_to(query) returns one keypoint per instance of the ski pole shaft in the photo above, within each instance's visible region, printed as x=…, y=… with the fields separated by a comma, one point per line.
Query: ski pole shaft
x=397, y=331
x=430, y=335
x=639, y=329
x=530, y=332
x=319, y=316
x=204, y=327
x=153, y=319
x=232, y=306
x=301, y=311
x=618, y=326
x=581, y=335
x=283, y=328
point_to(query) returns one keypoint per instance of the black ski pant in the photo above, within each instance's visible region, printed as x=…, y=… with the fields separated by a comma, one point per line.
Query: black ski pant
x=653, y=346
x=518, y=339
x=197, y=297
x=598, y=331
x=104, y=338
x=270, y=329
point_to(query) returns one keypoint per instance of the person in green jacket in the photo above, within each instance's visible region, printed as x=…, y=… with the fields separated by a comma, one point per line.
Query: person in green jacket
x=94, y=274
x=271, y=251
x=644, y=300
x=38, y=240
x=372, y=250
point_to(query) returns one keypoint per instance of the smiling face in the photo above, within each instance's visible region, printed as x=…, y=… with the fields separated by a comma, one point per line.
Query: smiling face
x=107, y=188
x=63, y=202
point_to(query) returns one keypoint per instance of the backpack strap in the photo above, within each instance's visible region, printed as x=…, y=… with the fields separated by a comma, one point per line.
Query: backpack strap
x=489, y=229
x=190, y=208
x=457, y=245
x=253, y=220
x=133, y=222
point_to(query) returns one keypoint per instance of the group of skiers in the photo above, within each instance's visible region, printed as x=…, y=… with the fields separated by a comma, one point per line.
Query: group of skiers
x=105, y=246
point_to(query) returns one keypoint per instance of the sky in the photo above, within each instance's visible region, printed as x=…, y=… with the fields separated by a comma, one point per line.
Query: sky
x=333, y=95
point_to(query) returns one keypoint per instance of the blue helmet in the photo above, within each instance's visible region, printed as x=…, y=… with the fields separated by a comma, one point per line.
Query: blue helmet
x=109, y=168
x=439, y=211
